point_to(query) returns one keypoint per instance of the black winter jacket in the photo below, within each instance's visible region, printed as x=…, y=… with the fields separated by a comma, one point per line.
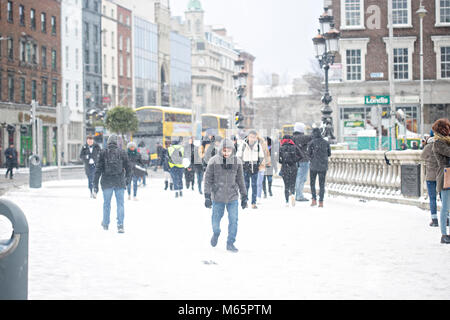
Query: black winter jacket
x=85, y=155
x=289, y=154
x=116, y=180
x=319, y=150
x=11, y=158
x=302, y=140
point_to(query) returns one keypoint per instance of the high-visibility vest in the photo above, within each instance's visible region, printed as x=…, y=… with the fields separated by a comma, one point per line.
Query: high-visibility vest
x=176, y=153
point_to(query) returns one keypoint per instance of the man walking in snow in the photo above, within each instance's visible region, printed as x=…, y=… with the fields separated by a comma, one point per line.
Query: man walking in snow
x=301, y=140
x=89, y=155
x=114, y=169
x=224, y=180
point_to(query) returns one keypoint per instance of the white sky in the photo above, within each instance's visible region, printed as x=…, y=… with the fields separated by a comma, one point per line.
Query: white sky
x=277, y=32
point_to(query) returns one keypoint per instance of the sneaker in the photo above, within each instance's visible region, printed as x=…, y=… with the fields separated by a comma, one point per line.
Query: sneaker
x=287, y=204
x=434, y=223
x=445, y=239
x=293, y=200
x=231, y=247
x=270, y=193
x=176, y=194
x=313, y=203
x=105, y=227
x=254, y=206
x=320, y=204
x=120, y=229
x=214, y=239
x=303, y=199
x=181, y=193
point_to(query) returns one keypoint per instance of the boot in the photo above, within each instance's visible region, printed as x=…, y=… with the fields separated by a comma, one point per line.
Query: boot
x=320, y=204
x=176, y=194
x=181, y=193
x=313, y=203
x=192, y=187
x=166, y=185
x=214, y=239
x=171, y=186
x=434, y=223
x=445, y=239
x=270, y=189
x=231, y=247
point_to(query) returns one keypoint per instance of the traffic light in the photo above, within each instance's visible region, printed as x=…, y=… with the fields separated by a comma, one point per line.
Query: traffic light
x=238, y=118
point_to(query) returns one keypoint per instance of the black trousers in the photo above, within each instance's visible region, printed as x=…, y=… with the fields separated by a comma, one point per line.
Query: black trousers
x=189, y=176
x=289, y=174
x=312, y=176
x=10, y=171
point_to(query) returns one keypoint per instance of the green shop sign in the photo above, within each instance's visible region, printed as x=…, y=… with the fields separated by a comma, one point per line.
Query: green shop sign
x=354, y=124
x=371, y=100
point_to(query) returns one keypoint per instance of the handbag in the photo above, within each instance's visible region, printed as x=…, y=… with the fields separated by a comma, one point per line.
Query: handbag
x=446, y=179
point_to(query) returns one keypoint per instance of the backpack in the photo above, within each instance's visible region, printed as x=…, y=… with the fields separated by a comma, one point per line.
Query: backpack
x=113, y=162
x=288, y=154
x=176, y=157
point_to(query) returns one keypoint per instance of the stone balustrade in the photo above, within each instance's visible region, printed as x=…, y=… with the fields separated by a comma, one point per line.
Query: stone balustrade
x=366, y=174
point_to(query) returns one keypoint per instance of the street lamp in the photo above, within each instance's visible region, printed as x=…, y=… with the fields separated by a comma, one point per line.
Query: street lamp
x=326, y=45
x=240, y=84
x=422, y=12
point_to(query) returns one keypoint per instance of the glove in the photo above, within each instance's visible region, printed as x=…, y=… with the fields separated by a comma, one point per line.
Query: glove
x=208, y=202
x=244, y=202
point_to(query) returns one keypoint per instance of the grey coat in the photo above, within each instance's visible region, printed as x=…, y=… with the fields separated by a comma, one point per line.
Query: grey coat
x=224, y=180
x=441, y=151
x=431, y=164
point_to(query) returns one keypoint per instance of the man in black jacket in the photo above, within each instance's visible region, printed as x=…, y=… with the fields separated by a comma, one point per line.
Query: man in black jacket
x=318, y=150
x=89, y=155
x=115, y=171
x=11, y=160
x=301, y=140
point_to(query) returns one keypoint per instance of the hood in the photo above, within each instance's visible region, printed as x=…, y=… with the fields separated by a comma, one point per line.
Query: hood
x=227, y=143
x=131, y=144
x=287, y=139
x=316, y=133
x=113, y=140
x=299, y=127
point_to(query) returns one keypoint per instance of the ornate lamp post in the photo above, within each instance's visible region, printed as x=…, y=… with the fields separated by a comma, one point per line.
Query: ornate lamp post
x=240, y=84
x=326, y=45
x=422, y=12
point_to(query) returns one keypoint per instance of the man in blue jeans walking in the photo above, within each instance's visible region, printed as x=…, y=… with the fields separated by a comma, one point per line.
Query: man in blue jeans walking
x=301, y=141
x=115, y=172
x=224, y=180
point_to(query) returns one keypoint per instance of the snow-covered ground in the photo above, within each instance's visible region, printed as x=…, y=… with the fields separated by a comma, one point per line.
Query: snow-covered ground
x=347, y=250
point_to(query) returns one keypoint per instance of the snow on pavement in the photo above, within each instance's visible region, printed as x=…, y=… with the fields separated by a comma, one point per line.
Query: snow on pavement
x=347, y=250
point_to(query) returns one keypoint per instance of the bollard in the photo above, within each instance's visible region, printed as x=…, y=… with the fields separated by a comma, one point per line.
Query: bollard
x=35, y=172
x=14, y=255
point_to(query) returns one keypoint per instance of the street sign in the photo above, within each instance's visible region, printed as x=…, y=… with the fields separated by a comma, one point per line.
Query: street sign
x=371, y=100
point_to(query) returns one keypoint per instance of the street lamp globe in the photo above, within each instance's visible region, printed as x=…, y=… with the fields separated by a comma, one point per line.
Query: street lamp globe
x=325, y=21
x=243, y=79
x=319, y=45
x=332, y=40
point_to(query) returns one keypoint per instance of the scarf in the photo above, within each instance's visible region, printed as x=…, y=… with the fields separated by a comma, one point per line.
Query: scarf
x=132, y=153
x=445, y=139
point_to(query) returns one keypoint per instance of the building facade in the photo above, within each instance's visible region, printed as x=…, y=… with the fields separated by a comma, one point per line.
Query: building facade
x=362, y=83
x=72, y=77
x=30, y=69
x=125, y=56
x=180, y=71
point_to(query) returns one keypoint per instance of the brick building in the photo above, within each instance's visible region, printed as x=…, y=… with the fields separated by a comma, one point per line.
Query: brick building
x=125, y=56
x=30, y=69
x=362, y=65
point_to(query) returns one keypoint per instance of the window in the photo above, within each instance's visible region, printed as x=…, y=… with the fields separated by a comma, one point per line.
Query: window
x=353, y=60
x=33, y=90
x=86, y=31
x=104, y=66
x=35, y=53
x=445, y=62
x=401, y=68
x=10, y=49
x=67, y=94
x=96, y=33
x=112, y=13
x=401, y=10
x=352, y=14
x=22, y=15
x=128, y=45
x=10, y=88
x=442, y=13
x=10, y=11
x=120, y=42
x=22, y=51
x=77, y=90
x=96, y=62
x=76, y=29
x=86, y=4
x=120, y=65
x=88, y=100
x=33, y=19
x=54, y=93
x=113, y=96
x=77, y=63
x=28, y=53
x=200, y=90
x=22, y=90
x=53, y=23
x=1, y=85
x=105, y=90
x=43, y=22
x=112, y=39
x=96, y=7
x=86, y=59
x=128, y=67
x=66, y=24
x=44, y=57
x=128, y=20
x=54, y=60
x=104, y=39
x=120, y=18
x=113, y=68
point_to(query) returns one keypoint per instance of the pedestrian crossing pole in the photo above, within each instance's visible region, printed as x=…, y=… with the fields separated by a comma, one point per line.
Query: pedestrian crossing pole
x=33, y=125
x=59, y=137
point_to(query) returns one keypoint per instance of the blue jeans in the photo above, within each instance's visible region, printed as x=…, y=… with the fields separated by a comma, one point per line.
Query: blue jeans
x=302, y=175
x=135, y=186
x=199, y=178
x=431, y=186
x=445, y=197
x=218, y=211
x=254, y=178
x=259, y=183
x=107, y=195
x=91, y=176
x=177, y=178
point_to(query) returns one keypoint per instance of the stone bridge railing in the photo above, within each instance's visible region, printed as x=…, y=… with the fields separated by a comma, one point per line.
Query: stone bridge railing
x=366, y=174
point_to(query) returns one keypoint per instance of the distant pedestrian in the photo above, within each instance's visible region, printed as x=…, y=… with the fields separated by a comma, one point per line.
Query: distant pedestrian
x=176, y=154
x=269, y=169
x=318, y=151
x=198, y=166
x=115, y=172
x=12, y=160
x=262, y=167
x=189, y=172
x=288, y=158
x=137, y=169
x=89, y=154
x=431, y=168
x=145, y=156
x=252, y=155
x=165, y=165
x=301, y=140
x=224, y=181
x=441, y=150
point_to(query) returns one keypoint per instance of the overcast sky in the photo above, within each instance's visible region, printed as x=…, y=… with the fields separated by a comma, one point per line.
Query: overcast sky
x=277, y=32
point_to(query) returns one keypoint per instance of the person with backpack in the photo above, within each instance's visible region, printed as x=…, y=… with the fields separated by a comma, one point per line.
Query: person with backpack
x=137, y=169
x=252, y=155
x=318, y=151
x=115, y=172
x=89, y=155
x=301, y=140
x=224, y=181
x=289, y=155
x=176, y=154
x=145, y=156
x=189, y=172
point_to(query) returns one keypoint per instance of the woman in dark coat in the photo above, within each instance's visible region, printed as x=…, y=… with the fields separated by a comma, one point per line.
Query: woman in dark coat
x=441, y=150
x=288, y=158
x=11, y=160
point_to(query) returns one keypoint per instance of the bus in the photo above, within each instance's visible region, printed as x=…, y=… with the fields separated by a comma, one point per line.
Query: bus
x=289, y=129
x=218, y=122
x=161, y=124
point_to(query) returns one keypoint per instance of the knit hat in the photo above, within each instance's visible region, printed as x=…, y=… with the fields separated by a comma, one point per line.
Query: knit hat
x=112, y=139
x=131, y=144
x=299, y=127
